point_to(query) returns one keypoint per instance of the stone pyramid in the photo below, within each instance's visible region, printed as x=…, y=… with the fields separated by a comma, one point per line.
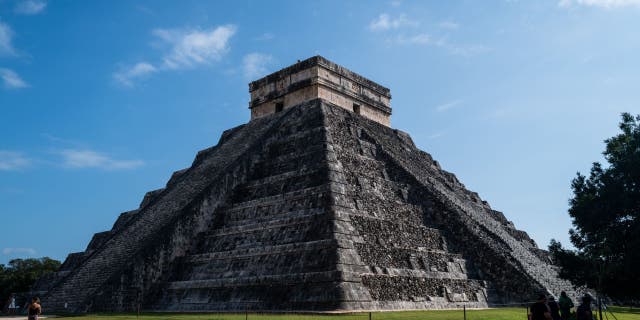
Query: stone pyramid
x=315, y=204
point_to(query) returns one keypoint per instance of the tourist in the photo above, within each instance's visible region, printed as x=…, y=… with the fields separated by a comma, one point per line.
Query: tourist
x=583, y=312
x=12, y=304
x=540, y=310
x=554, y=308
x=34, y=309
x=565, y=305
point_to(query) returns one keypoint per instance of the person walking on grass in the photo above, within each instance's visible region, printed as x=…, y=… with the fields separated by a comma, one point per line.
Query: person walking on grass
x=565, y=305
x=554, y=308
x=540, y=309
x=583, y=312
x=34, y=309
x=12, y=304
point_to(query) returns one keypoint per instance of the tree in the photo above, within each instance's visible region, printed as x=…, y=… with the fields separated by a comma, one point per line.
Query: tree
x=605, y=211
x=20, y=274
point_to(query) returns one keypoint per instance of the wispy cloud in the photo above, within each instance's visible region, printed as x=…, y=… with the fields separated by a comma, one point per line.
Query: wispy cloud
x=600, y=3
x=58, y=140
x=396, y=33
x=194, y=47
x=73, y=158
x=12, y=80
x=449, y=25
x=12, y=160
x=140, y=70
x=30, y=7
x=255, y=64
x=447, y=106
x=6, y=36
x=184, y=49
x=11, y=251
x=424, y=39
x=386, y=22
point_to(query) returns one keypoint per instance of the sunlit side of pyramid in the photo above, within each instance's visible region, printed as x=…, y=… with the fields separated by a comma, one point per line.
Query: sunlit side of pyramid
x=315, y=204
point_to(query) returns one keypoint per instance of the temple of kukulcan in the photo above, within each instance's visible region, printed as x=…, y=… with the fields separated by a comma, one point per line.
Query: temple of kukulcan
x=315, y=204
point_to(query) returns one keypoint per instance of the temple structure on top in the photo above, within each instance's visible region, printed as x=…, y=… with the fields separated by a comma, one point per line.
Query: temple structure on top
x=315, y=78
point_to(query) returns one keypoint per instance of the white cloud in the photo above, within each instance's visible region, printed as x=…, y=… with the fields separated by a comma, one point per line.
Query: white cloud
x=91, y=159
x=6, y=35
x=137, y=71
x=193, y=47
x=11, y=160
x=446, y=106
x=386, y=22
x=186, y=49
x=600, y=3
x=9, y=251
x=255, y=64
x=12, y=80
x=30, y=7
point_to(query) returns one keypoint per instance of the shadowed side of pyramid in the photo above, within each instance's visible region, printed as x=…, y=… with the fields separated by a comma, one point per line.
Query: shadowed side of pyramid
x=134, y=260
x=272, y=245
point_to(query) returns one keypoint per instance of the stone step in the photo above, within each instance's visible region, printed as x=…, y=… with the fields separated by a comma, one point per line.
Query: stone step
x=294, y=143
x=255, y=219
x=98, y=240
x=150, y=196
x=308, y=229
x=290, y=279
x=289, y=219
x=278, y=185
x=281, y=263
x=175, y=176
x=123, y=218
x=267, y=250
x=288, y=162
x=295, y=197
x=295, y=173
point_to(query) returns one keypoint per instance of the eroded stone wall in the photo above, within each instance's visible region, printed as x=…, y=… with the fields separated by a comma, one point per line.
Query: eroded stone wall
x=492, y=249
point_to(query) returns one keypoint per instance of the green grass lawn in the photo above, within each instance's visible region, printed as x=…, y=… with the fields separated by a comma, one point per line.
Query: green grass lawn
x=487, y=314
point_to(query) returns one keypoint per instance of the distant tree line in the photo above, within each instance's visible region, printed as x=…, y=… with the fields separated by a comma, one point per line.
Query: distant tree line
x=605, y=212
x=20, y=274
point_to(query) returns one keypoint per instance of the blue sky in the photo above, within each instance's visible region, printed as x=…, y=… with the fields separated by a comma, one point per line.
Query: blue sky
x=100, y=101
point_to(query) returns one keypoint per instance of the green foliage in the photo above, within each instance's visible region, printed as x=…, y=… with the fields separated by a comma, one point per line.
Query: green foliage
x=605, y=210
x=20, y=274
